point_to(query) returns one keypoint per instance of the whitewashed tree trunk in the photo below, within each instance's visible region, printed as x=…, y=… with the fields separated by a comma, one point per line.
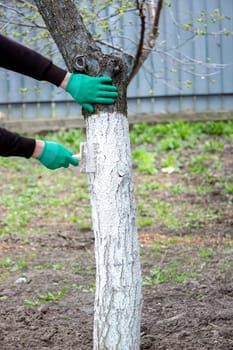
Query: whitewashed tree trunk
x=118, y=297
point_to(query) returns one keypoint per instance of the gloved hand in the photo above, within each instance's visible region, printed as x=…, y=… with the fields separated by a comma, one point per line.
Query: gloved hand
x=56, y=156
x=87, y=90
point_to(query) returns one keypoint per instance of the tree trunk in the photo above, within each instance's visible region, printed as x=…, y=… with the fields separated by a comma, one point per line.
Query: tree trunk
x=118, y=278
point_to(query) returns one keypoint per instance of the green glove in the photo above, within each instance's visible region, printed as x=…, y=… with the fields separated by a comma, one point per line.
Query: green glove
x=87, y=90
x=56, y=156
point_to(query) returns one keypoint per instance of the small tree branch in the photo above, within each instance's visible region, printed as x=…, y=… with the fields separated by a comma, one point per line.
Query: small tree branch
x=155, y=29
x=151, y=12
x=144, y=51
x=21, y=24
x=139, y=7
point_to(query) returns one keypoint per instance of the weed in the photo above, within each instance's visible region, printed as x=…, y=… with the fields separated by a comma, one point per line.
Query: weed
x=52, y=297
x=203, y=189
x=6, y=262
x=142, y=222
x=25, y=241
x=228, y=187
x=47, y=266
x=176, y=188
x=165, y=213
x=19, y=265
x=197, y=164
x=47, y=297
x=58, y=267
x=169, y=143
x=86, y=288
x=148, y=186
x=145, y=160
x=182, y=277
x=82, y=224
x=170, y=161
x=213, y=145
x=157, y=275
x=156, y=246
x=205, y=252
x=140, y=133
x=75, y=266
x=13, y=265
x=225, y=266
x=213, y=128
x=175, y=263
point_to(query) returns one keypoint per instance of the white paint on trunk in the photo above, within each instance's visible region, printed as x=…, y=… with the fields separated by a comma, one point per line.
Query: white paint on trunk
x=118, y=297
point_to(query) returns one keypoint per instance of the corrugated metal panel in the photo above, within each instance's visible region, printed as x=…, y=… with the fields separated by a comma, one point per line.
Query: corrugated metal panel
x=160, y=85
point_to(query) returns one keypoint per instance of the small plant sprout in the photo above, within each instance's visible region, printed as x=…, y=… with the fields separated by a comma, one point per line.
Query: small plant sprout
x=42, y=298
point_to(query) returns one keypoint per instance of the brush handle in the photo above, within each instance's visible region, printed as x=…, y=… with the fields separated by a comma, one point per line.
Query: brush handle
x=86, y=158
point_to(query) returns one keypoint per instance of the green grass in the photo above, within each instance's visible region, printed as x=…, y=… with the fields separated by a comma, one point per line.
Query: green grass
x=33, y=200
x=43, y=196
x=47, y=266
x=13, y=265
x=172, y=261
x=205, y=252
x=158, y=275
x=30, y=193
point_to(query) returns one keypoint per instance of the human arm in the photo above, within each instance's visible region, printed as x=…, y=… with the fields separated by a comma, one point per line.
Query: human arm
x=51, y=154
x=13, y=144
x=84, y=89
x=21, y=59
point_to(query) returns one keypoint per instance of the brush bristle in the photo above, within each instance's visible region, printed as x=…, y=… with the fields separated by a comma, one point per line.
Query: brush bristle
x=88, y=157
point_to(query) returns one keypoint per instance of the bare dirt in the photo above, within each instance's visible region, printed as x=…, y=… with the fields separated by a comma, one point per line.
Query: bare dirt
x=195, y=313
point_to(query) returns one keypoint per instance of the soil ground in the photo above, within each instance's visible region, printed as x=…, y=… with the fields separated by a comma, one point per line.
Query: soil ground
x=188, y=297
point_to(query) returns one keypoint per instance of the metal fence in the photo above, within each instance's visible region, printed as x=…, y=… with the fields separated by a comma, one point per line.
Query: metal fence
x=186, y=72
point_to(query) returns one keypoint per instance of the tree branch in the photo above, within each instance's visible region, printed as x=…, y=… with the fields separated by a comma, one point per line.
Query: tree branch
x=144, y=50
x=21, y=24
x=69, y=32
x=155, y=29
x=139, y=7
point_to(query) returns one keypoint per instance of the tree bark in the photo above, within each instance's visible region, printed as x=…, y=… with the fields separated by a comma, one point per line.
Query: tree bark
x=118, y=297
x=118, y=278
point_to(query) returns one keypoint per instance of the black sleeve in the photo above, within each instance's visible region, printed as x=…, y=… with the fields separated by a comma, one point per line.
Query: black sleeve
x=19, y=58
x=13, y=144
